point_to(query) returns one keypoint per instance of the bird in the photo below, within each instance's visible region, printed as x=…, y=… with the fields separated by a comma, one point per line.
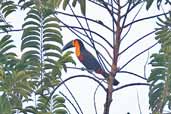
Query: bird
x=87, y=59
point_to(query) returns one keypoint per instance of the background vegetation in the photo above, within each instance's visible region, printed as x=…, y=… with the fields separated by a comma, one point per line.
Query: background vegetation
x=28, y=84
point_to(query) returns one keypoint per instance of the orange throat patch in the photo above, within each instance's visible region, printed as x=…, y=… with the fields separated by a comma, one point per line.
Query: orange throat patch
x=77, y=48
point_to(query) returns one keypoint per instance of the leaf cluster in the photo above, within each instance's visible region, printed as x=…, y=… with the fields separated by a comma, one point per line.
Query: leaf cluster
x=160, y=77
x=6, y=8
x=159, y=2
x=38, y=70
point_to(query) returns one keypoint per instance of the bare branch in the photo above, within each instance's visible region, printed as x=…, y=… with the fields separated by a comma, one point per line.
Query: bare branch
x=130, y=85
x=86, y=18
x=70, y=102
x=139, y=106
x=141, y=38
x=142, y=19
x=94, y=99
x=138, y=55
x=123, y=24
x=75, y=27
x=73, y=77
x=89, y=71
x=127, y=72
x=145, y=65
x=12, y=30
x=72, y=97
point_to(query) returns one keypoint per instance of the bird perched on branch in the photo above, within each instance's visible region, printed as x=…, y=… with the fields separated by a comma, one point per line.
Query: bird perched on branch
x=86, y=58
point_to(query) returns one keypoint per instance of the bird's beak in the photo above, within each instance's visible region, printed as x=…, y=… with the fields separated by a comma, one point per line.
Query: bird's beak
x=68, y=45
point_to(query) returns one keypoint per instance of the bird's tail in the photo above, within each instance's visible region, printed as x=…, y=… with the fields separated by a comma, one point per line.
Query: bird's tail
x=106, y=75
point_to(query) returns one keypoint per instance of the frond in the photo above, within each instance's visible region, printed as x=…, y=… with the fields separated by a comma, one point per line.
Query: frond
x=6, y=8
x=160, y=77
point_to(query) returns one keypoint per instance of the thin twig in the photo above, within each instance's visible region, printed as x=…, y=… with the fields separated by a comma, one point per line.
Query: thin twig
x=139, y=106
x=128, y=72
x=126, y=14
x=103, y=66
x=145, y=65
x=89, y=71
x=141, y=38
x=12, y=30
x=94, y=99
x=132, y=21
x=142, y=19
x=134, y=6
x=110, y=12
x=138, y=55
x=130, y=85
x=104, y=48
x=69, y=102
x=85, y=29
x=73, y=77
x=72, y=97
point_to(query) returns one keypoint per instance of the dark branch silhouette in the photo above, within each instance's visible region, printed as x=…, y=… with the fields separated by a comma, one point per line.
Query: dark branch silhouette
x=138, y=55
x=73, y=77
x=134, y=74
x=75, y=108
x=130, y=85
x=79, y=107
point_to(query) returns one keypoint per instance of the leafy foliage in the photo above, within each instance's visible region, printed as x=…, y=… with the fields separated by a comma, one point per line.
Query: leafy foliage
x=15, y=81
x=55, y=106
x=6, y=8
x=38, y=71
x=41, y=42
x=159, y=2
x=160, y=77
x=53, y=4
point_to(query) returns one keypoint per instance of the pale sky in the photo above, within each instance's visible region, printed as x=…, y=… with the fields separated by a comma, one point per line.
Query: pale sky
x=124, y=100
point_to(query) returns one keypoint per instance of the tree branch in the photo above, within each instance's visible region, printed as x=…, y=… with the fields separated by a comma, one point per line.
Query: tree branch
x=88, y=31
x=141, y=38
x=123, y=24
x=138, y=55
x=130, y=85
x=73, y=97
x=73, y=77
x=94, y=99
x=139, y=106
x=142, y=19
x=127, y=72
x=12, y=30
x=70, y=102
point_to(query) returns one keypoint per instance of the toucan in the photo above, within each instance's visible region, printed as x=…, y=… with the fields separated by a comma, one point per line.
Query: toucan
x=87, y=59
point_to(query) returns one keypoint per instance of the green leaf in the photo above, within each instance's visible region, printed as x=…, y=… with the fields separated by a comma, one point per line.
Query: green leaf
x=55, y=25
x=7, y=3
x=5, y=106
x=149, y=3
x=83, y=6
x=27, y=4
x=52, y=54
x=65, y=3
x=50, y=19
x=74, y=3
x=33, y=16
x=61, y=111
x=31, y=44
x=8, y=10
x=27, y=33
x=60, y=100
x=51, y=47
x=30, y=38
x=28, y=23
